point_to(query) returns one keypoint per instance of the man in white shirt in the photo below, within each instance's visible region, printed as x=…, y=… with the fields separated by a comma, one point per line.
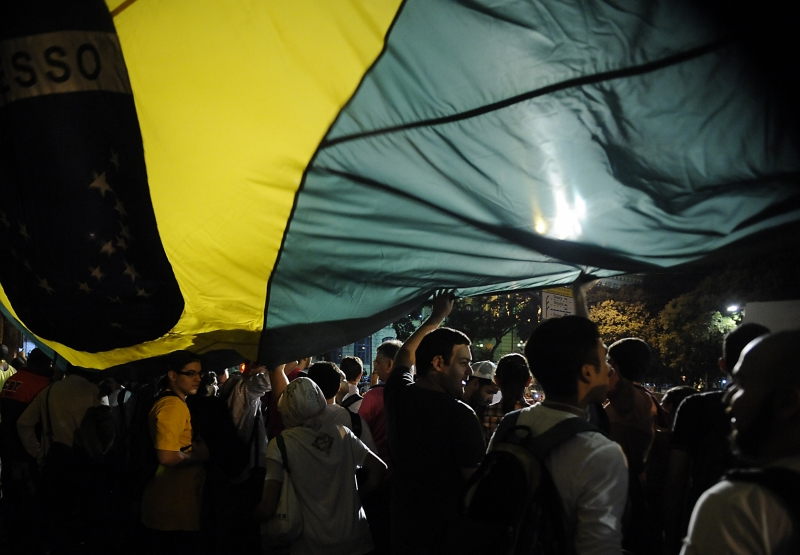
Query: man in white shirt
x=568, y=359
x=751, y=511
x=353, y=369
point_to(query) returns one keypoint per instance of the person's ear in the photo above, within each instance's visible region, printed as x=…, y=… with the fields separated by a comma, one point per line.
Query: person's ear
x=587, y=372
x=723, y=366
x=438, y=363
x=172, y=375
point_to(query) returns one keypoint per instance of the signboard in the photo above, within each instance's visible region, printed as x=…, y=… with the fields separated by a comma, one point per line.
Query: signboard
x=557, y=302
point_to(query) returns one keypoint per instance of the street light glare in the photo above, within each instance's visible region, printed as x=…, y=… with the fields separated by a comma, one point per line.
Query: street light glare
x=733, y=308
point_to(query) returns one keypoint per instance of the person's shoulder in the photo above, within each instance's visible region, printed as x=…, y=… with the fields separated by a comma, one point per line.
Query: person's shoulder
x=706, y=398
x=594, y=456
x=77, y=382
x=539, y=417
x=373, y=403
x=697, y=404
x=601, y=445
x=641, y=393
x=714, y=396
x=168, y=403
x=400, y=376
x=25, y=375
x=336, y=414
x=689, y=406
x=457, y=406
x=737, y=500
x=303, y=432
x=374, y=392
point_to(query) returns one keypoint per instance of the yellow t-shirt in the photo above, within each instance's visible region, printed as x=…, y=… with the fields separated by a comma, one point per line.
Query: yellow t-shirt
x=171, y=500
x=171, y=424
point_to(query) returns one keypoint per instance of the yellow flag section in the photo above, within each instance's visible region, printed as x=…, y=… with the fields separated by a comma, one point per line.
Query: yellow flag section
x=233, y=98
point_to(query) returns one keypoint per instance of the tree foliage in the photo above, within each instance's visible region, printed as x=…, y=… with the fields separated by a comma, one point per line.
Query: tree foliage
x=404, y=327
x=683, y=317
x=487, y=320
x=620, y=319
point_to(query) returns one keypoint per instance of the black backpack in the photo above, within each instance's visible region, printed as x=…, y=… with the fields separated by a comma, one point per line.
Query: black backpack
x=142, y=462
x=511, y=505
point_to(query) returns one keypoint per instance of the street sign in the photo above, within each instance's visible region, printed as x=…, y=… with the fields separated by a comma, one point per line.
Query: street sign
x=557, y=302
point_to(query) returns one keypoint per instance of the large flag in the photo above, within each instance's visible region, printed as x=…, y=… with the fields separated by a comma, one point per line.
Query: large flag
x=282, y=178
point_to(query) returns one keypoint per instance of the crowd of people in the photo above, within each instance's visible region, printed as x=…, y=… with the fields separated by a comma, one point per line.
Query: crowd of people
x=195, y=460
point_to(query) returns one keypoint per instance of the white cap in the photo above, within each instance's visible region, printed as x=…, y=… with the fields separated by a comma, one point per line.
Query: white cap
x=484, y=369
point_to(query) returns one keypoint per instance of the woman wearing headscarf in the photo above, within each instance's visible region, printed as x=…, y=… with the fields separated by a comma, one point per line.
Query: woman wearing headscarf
x=323, y=459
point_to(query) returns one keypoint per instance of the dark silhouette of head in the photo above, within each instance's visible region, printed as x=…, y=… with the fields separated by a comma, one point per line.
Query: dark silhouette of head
x=40, y=363
x=736, y=340
x=512, y=376
x=352, y=368
x=631, y=357
x=327, y=376
x=557, y=351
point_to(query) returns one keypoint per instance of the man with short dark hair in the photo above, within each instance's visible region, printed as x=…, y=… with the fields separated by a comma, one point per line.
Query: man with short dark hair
x=755, y=511
x=353, y=369
x=435, y=439
x=568, y=359
x=171, y=500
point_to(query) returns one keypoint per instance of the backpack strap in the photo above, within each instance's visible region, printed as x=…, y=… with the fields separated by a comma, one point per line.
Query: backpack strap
x=352, y=400
x=355, y=424
x=284, y=456
x=542, y=444
x=781, y=482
